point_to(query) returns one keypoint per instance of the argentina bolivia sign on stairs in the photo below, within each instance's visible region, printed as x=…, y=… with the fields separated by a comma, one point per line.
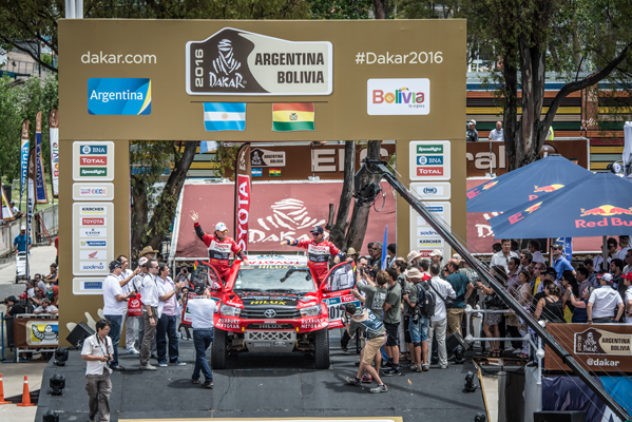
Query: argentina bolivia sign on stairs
x=237, y=62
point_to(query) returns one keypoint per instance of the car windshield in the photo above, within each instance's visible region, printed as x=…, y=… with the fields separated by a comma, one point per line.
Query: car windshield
x=278, y=279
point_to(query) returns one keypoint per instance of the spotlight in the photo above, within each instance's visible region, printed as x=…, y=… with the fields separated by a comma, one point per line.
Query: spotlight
x=61, y=356
x=56, y=384
x=469, y=387
x=50, y=416
x=459, y=354
x=480, y=417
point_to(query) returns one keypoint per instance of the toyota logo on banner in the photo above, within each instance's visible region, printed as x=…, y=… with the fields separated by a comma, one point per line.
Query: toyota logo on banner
x=269, y=313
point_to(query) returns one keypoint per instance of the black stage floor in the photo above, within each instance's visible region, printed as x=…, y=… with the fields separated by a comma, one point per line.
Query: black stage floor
x=264, y=386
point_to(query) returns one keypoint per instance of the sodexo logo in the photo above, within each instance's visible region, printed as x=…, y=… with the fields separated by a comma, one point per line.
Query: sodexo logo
x=391, y=97
x=119, y=96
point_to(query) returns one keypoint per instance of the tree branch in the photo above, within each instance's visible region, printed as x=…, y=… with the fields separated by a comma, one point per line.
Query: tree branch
x=29, y=52
x=581, y=84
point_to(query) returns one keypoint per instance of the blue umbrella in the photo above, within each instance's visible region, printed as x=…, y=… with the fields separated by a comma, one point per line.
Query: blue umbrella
x=598, y=206
x=527, y=183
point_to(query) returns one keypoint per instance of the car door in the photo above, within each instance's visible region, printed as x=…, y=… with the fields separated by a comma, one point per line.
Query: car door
x=336, y=291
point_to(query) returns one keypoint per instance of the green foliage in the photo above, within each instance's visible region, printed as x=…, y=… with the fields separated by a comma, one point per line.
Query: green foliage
x=19, y=101
x=340, y=9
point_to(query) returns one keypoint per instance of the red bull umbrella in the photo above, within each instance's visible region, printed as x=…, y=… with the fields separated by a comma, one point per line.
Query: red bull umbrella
x=527, y=183
x=600, y=205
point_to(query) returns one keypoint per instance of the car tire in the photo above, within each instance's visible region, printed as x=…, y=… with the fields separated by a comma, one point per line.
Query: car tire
x=218, y=349
x=321, y=349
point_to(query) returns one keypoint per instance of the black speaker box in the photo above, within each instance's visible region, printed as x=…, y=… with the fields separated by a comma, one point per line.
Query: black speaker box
x=79, y=334
x=559, y=416
x=452, y=341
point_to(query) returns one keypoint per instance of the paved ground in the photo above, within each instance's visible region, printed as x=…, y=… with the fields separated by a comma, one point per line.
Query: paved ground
x=13, y=373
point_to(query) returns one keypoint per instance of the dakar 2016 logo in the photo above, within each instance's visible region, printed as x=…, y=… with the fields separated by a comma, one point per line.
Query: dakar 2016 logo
x=225, y=68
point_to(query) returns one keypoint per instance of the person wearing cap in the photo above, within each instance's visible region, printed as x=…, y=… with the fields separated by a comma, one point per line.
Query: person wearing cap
x=114, y=306
x=373, y=327
x=219, y=246
x=148, y=252
x=318, y=252
x=604, y=301
x=20, y=241
x=202, y=310
x=560, y=263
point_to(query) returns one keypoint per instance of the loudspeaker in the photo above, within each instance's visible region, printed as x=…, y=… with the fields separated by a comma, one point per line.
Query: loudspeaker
x=559, y=416
x=79, y=334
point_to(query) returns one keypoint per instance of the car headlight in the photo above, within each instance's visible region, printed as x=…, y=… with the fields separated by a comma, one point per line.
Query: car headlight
x=310, y=311
x=229, y=310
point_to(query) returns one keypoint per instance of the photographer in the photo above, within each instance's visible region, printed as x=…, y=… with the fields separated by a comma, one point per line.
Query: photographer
x=183, y=275
x=373, y=328
x=13, y=308
x=97, y=351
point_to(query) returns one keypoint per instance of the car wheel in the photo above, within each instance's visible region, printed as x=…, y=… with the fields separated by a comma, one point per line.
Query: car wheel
x=321, y=349
x=218, y=349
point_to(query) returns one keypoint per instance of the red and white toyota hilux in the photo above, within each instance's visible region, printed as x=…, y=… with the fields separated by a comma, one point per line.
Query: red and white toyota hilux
x=274, y=305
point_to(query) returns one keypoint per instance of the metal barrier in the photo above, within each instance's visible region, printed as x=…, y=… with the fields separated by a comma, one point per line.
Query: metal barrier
x=11, y=229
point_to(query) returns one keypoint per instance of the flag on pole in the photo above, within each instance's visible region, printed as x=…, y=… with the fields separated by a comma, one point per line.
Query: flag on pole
x=53, y=131
x=40, y=179
x=224, y=116
x=384, y=247
x=208, y=146
x=243, y=193
x=24, y=157
x=289, y=117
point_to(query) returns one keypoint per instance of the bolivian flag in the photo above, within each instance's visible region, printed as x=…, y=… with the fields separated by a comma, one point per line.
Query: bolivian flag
x=288, y=117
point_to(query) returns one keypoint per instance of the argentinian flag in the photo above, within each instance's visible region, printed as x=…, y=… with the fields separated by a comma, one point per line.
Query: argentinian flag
x=224, y=116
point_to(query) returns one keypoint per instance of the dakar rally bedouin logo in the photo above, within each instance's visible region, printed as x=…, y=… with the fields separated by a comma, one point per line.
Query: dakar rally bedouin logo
x=225, y=67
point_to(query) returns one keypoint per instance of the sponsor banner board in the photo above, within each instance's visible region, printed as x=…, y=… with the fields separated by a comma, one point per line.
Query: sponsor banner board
x=93, y=237
x=424, y=238
x=398, y=97
x=87, y=285
x=597, y=347
x=237, y=62
x=92, y=161
x=431, y=191
x=93, y=191
x=429, y=160
x=260, y=157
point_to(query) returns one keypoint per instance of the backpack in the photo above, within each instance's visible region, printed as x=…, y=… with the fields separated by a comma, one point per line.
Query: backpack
x=427, y=302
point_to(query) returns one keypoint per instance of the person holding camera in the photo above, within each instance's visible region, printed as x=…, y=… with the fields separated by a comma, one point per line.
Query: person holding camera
x=97, y=351
x=202, y=310
x=115, y=305
x=373, y=328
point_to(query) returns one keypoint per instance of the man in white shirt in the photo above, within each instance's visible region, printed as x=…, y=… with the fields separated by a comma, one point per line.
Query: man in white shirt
x=439, y=321
x=534, y=248
x=497, y=134
x=168, y=311
x=202, y=310
x=501, y=258
x=149, y=300
x=624, y=247
x=97, y=350
x=627, y=303
x=46, y=308
x=604, y=301
x=114, y=307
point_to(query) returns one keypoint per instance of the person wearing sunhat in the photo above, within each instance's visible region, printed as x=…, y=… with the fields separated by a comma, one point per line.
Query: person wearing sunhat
x=318, y=252
x=147, y=252
x=219, y=245
x=413, y=258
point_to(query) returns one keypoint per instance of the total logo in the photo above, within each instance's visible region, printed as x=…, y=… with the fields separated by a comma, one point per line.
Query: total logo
x=607, y=212
x=394, y=96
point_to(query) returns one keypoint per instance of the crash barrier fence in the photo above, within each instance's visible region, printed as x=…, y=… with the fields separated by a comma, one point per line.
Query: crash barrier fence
x=29, y=333
x=44, y=221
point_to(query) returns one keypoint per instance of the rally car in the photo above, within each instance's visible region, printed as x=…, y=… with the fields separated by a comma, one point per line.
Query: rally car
x=274, y=305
